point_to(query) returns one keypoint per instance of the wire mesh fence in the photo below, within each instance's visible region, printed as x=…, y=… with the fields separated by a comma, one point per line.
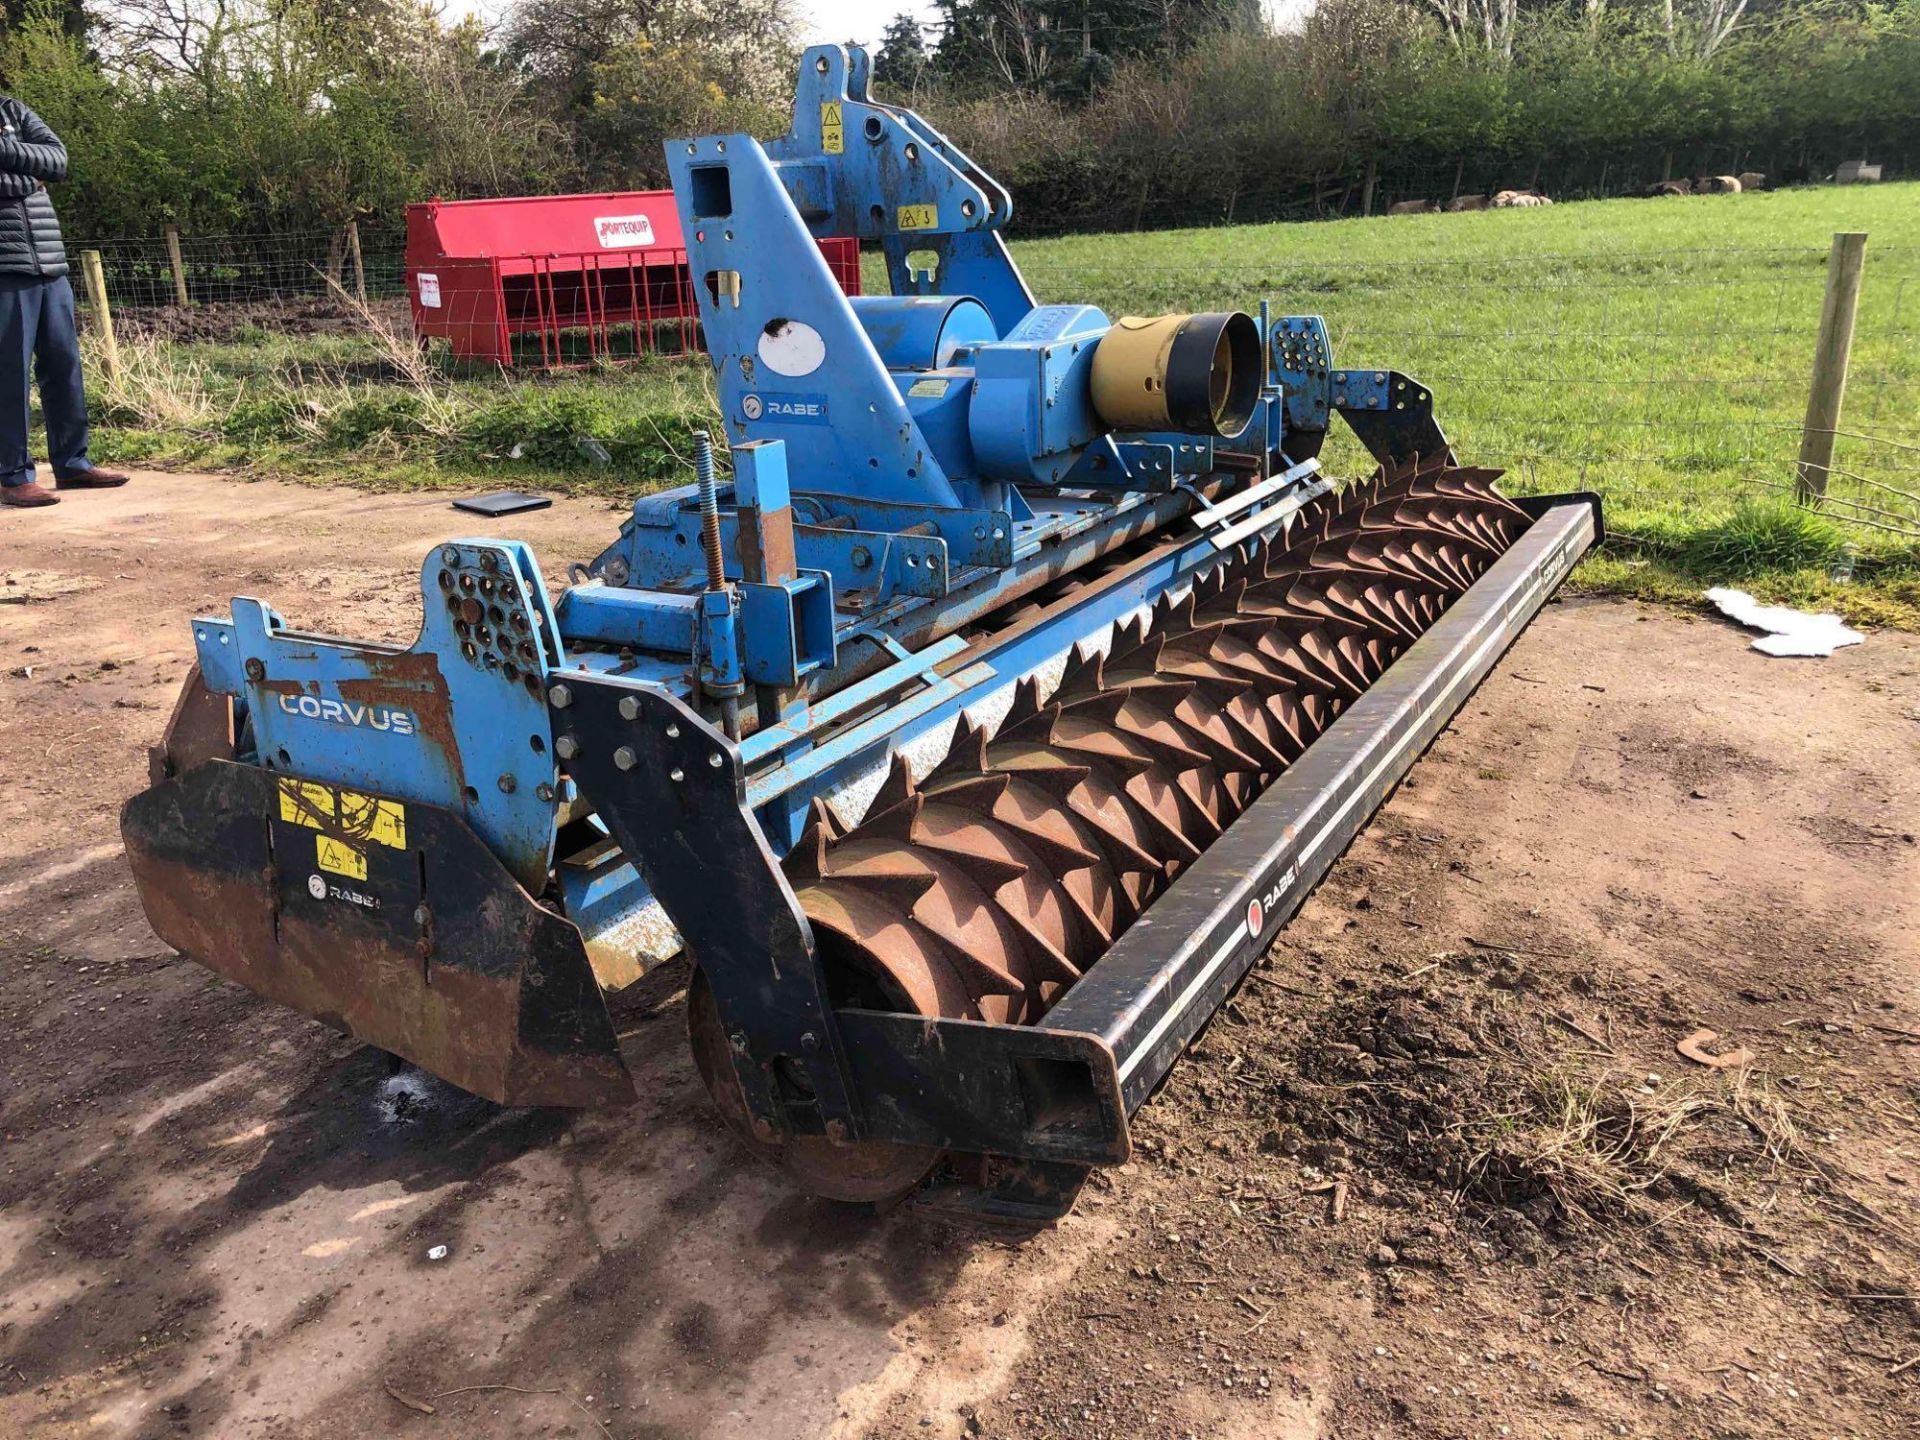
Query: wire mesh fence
x=1670, y=381
x=264, y=270
x=1064, y=204
x=1674, y=380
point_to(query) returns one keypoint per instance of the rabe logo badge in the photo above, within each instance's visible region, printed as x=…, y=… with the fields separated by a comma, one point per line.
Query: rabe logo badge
x=785, y=409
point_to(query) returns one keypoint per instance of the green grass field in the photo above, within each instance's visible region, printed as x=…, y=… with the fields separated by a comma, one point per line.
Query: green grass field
x=1657, y=351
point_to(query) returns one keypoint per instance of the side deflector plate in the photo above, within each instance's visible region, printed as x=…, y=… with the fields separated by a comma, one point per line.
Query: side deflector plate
x=389, y=919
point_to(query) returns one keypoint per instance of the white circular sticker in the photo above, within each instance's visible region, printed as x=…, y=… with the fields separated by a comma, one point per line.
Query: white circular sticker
x=792, y=347
x=750, y=406
x=316, y=887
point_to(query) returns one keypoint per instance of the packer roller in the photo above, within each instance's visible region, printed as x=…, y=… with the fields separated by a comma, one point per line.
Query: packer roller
x=971, y=737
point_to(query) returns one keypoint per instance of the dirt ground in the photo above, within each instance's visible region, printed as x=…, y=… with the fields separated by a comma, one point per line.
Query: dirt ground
x=1437, y=1170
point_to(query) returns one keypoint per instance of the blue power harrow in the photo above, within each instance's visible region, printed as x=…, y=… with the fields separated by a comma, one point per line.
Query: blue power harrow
x=971, y=738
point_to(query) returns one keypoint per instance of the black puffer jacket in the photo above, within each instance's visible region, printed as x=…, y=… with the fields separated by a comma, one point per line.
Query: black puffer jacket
x=31, y=157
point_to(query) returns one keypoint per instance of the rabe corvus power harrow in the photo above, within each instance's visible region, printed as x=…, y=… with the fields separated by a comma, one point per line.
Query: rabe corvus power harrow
x=971, y=736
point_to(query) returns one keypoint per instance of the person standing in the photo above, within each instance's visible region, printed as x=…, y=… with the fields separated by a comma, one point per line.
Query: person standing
x=38, y=337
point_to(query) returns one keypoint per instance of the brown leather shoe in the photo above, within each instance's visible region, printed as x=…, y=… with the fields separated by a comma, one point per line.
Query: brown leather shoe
x=28, y=496
x=90, y=480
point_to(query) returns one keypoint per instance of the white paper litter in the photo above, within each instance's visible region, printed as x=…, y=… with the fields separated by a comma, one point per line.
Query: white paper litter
x=1791, y=632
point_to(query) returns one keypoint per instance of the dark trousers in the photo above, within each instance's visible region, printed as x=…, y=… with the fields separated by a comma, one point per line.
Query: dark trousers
x=38, y=339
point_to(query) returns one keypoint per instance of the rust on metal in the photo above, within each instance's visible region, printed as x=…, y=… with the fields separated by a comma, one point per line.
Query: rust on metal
x=200, y=728
x=411, y=680
x=451, y=965
x=985, y=889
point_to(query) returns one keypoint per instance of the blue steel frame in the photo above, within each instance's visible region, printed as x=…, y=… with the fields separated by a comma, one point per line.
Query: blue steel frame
x=902, y=472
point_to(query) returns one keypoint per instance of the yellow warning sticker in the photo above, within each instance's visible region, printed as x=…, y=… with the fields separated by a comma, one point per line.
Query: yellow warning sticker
x=340, y=857
x=304, y=803
x=919, y=217
x=833, y=137
x=367, y=817
x=348, y=812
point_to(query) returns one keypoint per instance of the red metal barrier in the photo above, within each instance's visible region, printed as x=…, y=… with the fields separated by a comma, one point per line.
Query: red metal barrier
x=593, y=277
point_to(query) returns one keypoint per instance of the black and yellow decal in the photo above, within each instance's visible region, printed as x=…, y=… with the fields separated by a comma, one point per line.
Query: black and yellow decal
x=348, y=823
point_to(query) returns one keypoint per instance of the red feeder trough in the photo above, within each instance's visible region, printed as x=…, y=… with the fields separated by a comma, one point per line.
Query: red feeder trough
x=605, y=267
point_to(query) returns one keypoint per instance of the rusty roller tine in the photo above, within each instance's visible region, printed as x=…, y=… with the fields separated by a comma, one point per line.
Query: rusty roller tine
x=1125, y=666
x=881, y=865
x=1100, y=707
x=1102, y=803
x=1441, y=517
x=1040, y=825
x=1082, y=675
x=985, y=889
x=897, y=788
x=1458, y=523
x=1315, y=661
x=1025, y=710
x=1483, y=506
x=978, y=790
x=1426, y=560
x=966, y=922
x=1025, y=898
x=1205, y=716
x=893, y=820
x=869, y=936
x=1105, y=747
x=1167, y=830
x=973, y=846
x=1238, y=649
x=1188, y=718
x=1220, y=684
x=968, y=754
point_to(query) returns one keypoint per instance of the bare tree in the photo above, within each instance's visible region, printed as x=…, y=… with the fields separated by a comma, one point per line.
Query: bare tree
x=1713, y=22
x=1487, y=23
x=1021, y=40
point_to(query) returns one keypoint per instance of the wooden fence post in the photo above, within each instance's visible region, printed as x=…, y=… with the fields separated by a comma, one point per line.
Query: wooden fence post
x=1366, y=193
x=1845, y=263
x=103, y=315
x=179, y=267
x=359, y=265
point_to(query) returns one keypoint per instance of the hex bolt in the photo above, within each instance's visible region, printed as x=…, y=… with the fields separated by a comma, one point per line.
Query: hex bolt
x=809, y=1041
x=256, y=670
x=450, y=556
x=716, y=760
x=508, y=784
x=629, y=708
x=625, y=758
x=544, y=792
x=560, y=697
x=422, y=916
x=566, y=747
